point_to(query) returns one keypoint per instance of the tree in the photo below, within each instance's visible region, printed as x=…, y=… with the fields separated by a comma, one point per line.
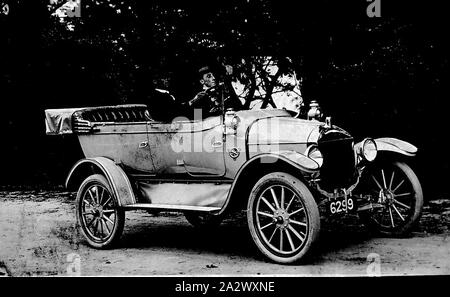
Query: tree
x=264, y=80
x=375, y=76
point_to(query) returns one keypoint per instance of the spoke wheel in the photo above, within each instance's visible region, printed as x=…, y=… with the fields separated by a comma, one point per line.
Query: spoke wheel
x=396, y=191
x=283, y=217
x=99, y=217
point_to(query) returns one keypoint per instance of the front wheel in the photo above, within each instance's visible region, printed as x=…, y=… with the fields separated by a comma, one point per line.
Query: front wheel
x=395, y=191
x=283, y=217
x=100, y=219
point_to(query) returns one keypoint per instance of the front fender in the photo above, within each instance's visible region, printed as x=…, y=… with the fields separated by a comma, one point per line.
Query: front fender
x=387, y=144
x=273, y=161
x=293, y=158
x=396, y=145
x=116, y=177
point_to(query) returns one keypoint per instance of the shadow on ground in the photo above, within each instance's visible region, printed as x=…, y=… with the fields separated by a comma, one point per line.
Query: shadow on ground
x=170, y=231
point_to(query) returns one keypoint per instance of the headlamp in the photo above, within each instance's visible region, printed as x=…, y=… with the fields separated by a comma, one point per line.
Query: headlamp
x=368, y=150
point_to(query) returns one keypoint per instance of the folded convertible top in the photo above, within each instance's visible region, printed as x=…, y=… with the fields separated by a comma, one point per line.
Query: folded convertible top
x=59, y=121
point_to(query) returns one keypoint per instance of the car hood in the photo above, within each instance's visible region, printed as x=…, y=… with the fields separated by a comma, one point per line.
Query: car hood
x=277, y=126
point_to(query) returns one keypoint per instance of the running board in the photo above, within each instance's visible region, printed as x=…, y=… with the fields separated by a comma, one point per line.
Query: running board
x=170, y=207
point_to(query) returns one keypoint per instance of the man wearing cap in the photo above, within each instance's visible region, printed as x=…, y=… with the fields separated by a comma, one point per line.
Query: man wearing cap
x=209, y=99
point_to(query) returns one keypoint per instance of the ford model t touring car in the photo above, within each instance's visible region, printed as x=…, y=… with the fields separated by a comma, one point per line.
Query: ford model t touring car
x=277, y=166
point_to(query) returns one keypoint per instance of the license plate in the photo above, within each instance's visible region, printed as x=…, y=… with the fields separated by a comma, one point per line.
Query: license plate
x=341, y=205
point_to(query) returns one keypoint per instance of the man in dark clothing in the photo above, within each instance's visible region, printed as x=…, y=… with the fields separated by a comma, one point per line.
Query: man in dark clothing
x=210, y=98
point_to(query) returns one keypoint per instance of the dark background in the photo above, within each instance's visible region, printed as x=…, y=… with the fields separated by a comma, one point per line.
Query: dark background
x=376, y=77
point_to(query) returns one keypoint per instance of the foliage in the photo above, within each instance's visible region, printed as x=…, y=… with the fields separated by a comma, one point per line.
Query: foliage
x=376, y=77
x=263, y=78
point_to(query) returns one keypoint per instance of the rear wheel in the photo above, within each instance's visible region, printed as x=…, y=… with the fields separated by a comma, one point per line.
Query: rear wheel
x=283, y=217
x=100, y=219
x=396, y=194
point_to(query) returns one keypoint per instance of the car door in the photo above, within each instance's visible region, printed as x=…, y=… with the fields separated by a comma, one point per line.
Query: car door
x=203, y=146
x=125, y=143
x=163, y=142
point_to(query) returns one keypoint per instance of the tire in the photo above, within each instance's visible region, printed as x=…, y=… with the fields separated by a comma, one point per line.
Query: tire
x=283, y=229
x=99, y=218
x=203, y=221
x=397, y=190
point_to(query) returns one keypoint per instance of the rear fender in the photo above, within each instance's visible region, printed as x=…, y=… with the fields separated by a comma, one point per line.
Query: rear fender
x=116, y=177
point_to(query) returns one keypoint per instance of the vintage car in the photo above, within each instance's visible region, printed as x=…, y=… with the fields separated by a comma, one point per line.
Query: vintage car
x=278, y=167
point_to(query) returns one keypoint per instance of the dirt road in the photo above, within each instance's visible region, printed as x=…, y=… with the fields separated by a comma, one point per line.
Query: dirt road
x=38, y=237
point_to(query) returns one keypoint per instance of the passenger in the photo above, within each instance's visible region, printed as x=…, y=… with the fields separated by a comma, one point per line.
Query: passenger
x=209, y=99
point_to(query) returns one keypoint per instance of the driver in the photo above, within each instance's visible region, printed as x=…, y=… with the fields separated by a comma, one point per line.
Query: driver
x=209, y=99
